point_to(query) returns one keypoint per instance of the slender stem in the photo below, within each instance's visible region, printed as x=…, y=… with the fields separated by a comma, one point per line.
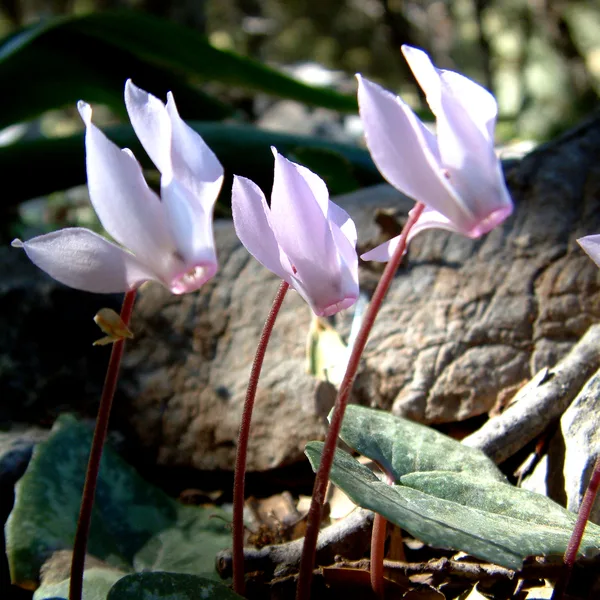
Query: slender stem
x=93, y=468
x=322, y=477
x=582, y=518
x=378, y=536
x=242, y=445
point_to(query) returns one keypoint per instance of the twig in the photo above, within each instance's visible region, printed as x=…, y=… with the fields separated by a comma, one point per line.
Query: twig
x=349, y=537
x=540, y=402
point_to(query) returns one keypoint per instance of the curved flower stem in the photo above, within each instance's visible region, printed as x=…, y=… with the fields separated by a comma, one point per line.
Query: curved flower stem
x=242, y=445
x=582, y=518
x=93, y=468
x=322, y=477
x=377, y=554
x=378, y=537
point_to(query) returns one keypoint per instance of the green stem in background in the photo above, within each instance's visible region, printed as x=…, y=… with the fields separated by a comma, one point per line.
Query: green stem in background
x=93, y=468
x=578, y=530
x=320, y=487
x=242, y=444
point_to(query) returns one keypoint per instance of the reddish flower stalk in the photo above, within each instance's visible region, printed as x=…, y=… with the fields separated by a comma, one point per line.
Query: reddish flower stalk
x=93, y=468
x=242, y=445
x=377, y=555
x=378, y=537
x=582, y=518
x=322, y=477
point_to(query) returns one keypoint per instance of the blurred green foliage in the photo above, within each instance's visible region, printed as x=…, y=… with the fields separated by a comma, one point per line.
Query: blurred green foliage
x=540, y=59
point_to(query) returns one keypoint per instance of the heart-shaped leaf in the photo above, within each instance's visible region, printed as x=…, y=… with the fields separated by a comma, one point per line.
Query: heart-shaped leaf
x=134, y=525
x=402, y=446
x=169, y=586
x=445, y=494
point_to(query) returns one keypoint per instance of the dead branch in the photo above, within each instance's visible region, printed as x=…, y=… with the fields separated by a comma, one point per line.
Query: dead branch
x=540, y=402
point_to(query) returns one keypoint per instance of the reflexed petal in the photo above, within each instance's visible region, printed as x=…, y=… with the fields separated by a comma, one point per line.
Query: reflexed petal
x=405, y=151
x=152, y=125
x=344, y=236
x=591, y=246
x=298, y=218
x=85, y=261
x=468, y=154
x=426, y=74
x=251, y=221
x=190, y=225
x=127, y=208
x=383, y=252
x=194, y=163
x=477, y=101
x=342, y=219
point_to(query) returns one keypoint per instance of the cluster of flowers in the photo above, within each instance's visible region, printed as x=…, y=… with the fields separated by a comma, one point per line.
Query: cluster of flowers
x=302, y=237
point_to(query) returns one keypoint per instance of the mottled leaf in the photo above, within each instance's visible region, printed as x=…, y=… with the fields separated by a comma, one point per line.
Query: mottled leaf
x=134, y=524
x=169, y=586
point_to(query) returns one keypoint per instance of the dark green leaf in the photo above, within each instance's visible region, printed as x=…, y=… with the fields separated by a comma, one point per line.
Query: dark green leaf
x=170, y=586
x=97, y=582
x=164, y=42
x=134, y=525
x=57, y=62
x=402, y=446
x=40, y=63
x=488, y=519
x=59, y=163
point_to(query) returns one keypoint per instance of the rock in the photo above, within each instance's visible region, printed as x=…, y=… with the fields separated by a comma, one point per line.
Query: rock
x=468, y=319
x=466, y=322
x=564, y=473
x=47, y=361
x=579, y=427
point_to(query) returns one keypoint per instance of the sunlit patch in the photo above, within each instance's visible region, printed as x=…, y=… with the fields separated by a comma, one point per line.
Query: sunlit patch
x=111, y=324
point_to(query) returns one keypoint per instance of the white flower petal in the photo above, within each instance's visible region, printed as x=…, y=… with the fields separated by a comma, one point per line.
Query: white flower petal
x=152, y=125
x=427, y=75
x=342, y=219
x=86, y=261
x=468, y=154
x=298, y=217
x=190, y=225
x=405, y=151
x=127, y=208
x=194, y=163
x=251, y=221
x=591, y=246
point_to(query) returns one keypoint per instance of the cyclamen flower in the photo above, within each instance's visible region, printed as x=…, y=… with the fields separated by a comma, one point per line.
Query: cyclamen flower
x=591, y=246
x=456, y=174
x=169, y=241
x=304, y=238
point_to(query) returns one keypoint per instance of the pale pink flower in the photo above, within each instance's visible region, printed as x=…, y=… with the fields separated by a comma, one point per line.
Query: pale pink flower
x=304, y=237
x=167, y=239
x=455, y=173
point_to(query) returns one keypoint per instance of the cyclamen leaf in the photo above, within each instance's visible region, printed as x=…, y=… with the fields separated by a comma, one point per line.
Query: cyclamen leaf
x=488, y=519
x=134, y=525
x=171, y=586
x=401, y=446
x=97, y=582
